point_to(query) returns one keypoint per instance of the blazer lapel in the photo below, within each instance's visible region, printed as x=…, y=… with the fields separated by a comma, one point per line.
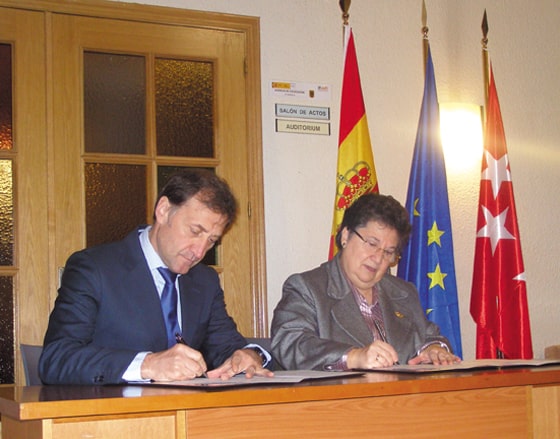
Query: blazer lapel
x=193, y=302
x=346, y=312
x=139, y=284
x=394, y=307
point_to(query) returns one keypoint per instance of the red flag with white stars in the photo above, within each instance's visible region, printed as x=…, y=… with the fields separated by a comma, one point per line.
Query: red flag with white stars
x=499, y=292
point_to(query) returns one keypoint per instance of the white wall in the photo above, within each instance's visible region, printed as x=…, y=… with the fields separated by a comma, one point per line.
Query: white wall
x=301, y=40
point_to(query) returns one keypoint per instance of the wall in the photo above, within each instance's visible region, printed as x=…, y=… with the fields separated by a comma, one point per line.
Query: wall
x=301, y=40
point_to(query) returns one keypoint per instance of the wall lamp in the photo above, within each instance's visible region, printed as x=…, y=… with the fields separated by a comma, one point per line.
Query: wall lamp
x=461, y=136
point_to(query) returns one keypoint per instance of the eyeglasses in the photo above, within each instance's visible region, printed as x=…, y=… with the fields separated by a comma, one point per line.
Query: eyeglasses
x=390, y=256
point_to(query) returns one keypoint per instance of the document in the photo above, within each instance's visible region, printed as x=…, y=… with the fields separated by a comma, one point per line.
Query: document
x=464, y=365
x=280, y=377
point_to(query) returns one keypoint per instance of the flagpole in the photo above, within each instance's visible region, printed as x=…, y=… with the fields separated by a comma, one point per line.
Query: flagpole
x=355, y=169
x=426, y=41
x=486, y=77
x=485, y=67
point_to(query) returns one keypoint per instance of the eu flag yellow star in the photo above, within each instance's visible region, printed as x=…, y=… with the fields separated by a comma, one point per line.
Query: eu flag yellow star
x=437, y=277
x=415, y=211
x=434, y=234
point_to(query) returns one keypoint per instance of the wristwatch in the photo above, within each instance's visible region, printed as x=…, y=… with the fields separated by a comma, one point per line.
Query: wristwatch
x=261, y=355
x=439, y=343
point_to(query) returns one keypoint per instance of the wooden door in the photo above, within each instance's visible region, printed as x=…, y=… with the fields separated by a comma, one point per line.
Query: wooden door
x=47, y=163
x=74, y=38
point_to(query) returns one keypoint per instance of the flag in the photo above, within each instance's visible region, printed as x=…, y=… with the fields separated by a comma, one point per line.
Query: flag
x=355, y=168
x=427, y=261
x=499, y=294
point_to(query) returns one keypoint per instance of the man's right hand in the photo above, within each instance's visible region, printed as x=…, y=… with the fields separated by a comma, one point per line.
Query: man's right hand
x=178, y=363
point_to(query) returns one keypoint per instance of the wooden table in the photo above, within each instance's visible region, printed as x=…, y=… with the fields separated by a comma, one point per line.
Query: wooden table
x=507, y=403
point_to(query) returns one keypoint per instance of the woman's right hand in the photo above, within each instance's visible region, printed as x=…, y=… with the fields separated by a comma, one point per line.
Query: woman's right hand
x=377, y=354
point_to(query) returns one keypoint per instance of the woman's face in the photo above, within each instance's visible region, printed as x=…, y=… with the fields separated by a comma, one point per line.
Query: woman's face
x=367, y=253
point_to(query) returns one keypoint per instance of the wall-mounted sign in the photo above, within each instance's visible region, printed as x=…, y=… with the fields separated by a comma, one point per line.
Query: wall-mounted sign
x=300, y=90
x=303, y=112
x=303, y=127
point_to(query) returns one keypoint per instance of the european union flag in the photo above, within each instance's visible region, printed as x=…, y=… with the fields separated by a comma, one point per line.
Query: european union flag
x=428, y=261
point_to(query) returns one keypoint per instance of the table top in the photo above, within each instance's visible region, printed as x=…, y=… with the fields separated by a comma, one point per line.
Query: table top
x=46, y=402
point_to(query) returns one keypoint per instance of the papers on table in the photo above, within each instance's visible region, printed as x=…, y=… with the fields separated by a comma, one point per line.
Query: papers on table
x=298, y=376
x=465, y=365
x=280, y=377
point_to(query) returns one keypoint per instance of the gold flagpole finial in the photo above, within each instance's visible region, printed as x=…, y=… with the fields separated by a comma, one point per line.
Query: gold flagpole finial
x=345, y=6
x=424, y=20
x=425, y=29
x=485, y=63
x=484, y=28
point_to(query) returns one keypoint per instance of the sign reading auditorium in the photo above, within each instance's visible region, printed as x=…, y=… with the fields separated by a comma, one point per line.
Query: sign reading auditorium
x=302, y=127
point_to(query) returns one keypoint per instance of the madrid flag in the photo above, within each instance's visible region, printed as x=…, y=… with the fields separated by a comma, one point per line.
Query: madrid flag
x=355, y=168
x=499, y=293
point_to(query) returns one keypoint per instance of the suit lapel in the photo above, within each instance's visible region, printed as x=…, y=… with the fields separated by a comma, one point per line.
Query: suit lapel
x=192, y=305
x=139, y=284
x=394, y=308
x=346, y=313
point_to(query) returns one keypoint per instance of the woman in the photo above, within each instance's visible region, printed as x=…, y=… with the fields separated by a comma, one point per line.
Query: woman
x=350, y=312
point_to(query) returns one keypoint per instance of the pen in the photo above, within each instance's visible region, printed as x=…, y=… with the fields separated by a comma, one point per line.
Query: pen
x=179, y=338
x=379, y=329
x=381, y=332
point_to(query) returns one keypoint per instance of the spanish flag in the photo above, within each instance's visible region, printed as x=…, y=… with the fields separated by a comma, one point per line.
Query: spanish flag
x=355, y=168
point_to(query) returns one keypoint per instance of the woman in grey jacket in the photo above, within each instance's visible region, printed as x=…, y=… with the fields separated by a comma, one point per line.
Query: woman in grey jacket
x=350, y=312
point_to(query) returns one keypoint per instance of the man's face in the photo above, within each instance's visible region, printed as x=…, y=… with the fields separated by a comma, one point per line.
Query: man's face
x=182, y=235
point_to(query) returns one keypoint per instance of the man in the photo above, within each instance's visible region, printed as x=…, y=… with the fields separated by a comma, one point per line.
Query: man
x=109, y=325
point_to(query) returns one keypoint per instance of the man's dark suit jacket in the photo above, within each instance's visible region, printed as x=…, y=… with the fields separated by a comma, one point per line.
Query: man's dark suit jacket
x=108, y=310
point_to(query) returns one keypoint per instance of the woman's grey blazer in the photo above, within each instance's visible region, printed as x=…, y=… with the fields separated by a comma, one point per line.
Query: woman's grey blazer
x=318, y=320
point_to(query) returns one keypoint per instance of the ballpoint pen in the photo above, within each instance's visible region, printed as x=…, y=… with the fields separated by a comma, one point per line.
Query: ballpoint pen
x=179, y=338
x=381, y=332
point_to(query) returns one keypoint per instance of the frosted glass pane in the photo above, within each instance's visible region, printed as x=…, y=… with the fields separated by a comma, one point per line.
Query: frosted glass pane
x=6, y=141
x=184, y=108
x=115, y=201
x=114, y=103
x=6, y=213
x=6, y=330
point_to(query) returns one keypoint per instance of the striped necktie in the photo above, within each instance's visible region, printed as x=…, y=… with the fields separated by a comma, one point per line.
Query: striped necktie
x=169, y=305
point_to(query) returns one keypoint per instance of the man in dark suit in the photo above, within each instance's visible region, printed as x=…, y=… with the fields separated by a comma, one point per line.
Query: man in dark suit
x=108, y=325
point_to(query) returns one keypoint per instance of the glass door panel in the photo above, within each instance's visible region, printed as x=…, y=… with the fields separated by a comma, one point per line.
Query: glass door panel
x=7, y=363
x=184, y=107
x=6, y=140
x=112, y=208
x=114, y=103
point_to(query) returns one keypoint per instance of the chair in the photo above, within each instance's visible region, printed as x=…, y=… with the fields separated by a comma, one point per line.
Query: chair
x=30, y=356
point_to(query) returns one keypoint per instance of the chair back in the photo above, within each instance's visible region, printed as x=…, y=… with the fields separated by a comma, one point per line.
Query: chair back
x=30, y=356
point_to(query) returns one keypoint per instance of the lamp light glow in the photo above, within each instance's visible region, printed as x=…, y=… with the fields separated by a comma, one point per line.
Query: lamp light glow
x=461, y=136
